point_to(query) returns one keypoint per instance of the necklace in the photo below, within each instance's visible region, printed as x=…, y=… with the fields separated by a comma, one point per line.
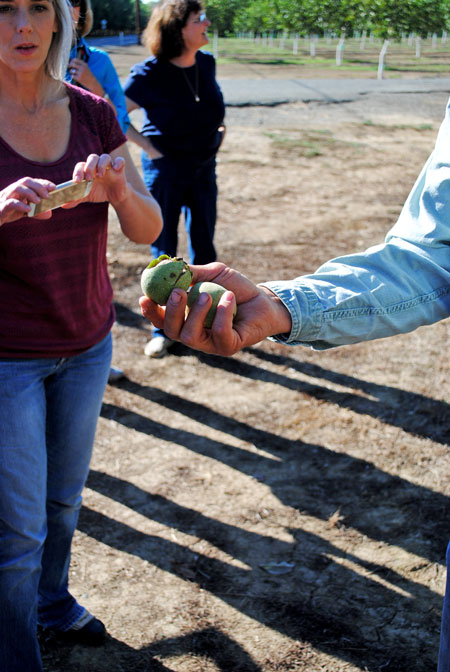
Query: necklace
x=188, y=82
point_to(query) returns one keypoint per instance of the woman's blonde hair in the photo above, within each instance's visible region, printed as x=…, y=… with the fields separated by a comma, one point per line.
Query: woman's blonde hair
x=162, y=35
x=86, y=20
x=59, y=51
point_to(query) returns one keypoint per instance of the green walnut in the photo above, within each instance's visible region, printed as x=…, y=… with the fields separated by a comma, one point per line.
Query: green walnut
x=164, y=274
x=214, y=290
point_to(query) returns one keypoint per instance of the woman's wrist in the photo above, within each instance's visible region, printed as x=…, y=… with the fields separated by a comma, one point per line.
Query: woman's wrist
x=125, y=195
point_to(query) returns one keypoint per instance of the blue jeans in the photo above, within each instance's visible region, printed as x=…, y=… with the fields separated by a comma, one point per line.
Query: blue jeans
x=444, y=646
x=191, y=190
x=181, y=188
x=48, y=416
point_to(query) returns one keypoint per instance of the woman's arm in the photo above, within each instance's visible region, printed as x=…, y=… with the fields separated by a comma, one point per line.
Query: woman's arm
x=140, y=140
x=82, y=74
x=139, y=213
x=103, y=69
x=116, y=180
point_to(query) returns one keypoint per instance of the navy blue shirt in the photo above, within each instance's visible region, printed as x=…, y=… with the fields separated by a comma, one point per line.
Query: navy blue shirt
x=178, y=126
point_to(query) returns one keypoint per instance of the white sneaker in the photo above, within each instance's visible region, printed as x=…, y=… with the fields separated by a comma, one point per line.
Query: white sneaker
x=158, y=346
x=115, y=375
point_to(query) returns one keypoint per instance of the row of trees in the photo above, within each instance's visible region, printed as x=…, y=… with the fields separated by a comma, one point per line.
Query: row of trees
x=121, y=15
x=387, y=19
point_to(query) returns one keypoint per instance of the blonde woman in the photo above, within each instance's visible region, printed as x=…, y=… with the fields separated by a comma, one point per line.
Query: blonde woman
x=56, y=313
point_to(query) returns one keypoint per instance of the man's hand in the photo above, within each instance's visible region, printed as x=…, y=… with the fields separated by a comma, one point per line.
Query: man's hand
x=260, y=313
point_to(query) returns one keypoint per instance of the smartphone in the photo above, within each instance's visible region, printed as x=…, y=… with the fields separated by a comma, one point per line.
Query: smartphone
x=82, y=54
x=64, y=193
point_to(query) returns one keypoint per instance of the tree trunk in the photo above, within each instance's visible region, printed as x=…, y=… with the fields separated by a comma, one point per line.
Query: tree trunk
x=381, y=59
x=339, y=50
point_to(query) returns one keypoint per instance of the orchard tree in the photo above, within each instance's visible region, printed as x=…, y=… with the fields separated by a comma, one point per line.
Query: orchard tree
x=120, y=14
x=427, y=16
x=344, y=17
x=304, y=16
x=393, y=18
x=390, y=18
x=259, y=16
x=221, y=13
x=387, y=19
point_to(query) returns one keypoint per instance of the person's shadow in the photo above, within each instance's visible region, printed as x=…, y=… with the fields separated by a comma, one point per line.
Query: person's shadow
x=333, y=599
x=208, y=643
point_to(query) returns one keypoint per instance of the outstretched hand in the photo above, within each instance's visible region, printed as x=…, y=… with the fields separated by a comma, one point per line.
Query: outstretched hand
x=260, y=313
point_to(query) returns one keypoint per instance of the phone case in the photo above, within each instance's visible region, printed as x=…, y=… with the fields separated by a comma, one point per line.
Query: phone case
x=81, y=54
x=64, y=193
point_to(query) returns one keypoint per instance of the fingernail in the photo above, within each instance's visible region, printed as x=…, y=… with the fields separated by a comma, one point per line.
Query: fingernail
x=203, y=298
x=175, y=297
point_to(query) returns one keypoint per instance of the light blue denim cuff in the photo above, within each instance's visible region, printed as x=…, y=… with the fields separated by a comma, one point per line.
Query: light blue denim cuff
x=304, y=308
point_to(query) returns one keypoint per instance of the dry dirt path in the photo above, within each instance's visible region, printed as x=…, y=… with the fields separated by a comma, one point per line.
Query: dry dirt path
x=283, y=510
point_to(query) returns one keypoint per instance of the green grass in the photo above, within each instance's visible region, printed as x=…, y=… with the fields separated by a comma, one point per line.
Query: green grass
x=310, y=143
x=401, y=127
x=400, y=57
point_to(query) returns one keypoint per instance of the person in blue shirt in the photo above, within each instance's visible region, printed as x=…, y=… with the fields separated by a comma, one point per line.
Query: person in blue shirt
x=389, y=289
x=92, y=68
x=182, y=131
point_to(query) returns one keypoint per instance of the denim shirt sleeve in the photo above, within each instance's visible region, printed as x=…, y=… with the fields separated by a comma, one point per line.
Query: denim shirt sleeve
x=389, y=289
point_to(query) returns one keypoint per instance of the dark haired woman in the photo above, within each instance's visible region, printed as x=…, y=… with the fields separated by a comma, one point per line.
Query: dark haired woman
x=182, y=130
x=92, y=68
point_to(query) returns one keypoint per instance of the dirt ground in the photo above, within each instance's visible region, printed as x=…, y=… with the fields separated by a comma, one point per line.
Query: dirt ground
x=285, y=509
